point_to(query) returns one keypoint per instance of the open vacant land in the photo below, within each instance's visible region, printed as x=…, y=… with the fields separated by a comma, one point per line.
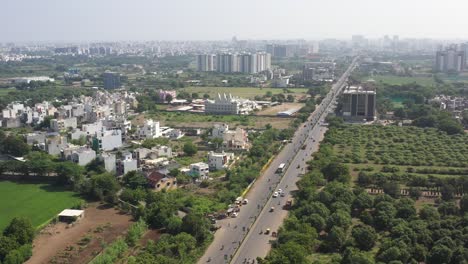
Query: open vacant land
x=184, y=120
x=5, y=91
x=38, y=202
x=398, y=80
x=278, y=108
x=61, y=243
x=245, y=92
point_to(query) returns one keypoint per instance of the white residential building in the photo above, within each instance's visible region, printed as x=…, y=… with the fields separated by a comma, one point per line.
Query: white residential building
x=54, y=145
x=107, y=140
x=149, y=130
x=79, y=155
x=109, y=162
x=219, y=161
x=126, y=164
x=219, y=130
x=63, y=124
x=199, y=170
x=175, y=134
x=162, y=151
x=232, y=139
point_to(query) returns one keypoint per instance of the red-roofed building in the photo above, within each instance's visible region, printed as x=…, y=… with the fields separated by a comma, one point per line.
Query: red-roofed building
x=159, y=181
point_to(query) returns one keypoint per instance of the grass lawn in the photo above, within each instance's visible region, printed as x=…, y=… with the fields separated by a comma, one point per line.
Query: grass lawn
x=397, y=102
x=245, y=92
x=398, y=80
x=38, y=202
x=5, y=91
x=179, y=119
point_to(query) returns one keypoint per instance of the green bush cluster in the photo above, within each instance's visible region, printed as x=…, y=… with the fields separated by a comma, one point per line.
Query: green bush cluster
x=111, y=253
x=360, y=228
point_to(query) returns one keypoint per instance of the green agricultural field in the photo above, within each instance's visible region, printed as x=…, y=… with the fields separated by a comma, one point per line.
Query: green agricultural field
x=400, y=153
x=179, y=119
x=4, y=92
x=38, y=202
x=245, y=92
x=399, y=80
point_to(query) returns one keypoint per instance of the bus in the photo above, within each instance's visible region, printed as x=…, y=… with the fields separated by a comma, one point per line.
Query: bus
x=281, y=168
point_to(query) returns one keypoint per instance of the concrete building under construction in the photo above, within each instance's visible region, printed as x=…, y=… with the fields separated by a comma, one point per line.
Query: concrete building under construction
x=359, y=103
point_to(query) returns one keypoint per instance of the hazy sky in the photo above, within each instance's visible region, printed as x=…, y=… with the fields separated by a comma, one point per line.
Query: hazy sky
x=89, y=20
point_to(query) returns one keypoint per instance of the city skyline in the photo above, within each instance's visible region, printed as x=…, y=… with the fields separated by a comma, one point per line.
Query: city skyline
x=120, y=20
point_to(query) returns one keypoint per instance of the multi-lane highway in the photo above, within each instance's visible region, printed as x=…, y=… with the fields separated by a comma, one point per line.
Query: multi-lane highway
x=243, y=238
x=257, y=243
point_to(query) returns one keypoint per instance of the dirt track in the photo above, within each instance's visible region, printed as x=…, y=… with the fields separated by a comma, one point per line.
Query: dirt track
x=79, y=243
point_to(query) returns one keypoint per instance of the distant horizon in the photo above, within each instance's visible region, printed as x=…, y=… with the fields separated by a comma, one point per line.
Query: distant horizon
x=185, y=20
x=226, y=40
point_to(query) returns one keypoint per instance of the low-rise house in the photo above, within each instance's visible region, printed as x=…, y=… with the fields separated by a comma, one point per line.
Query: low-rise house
x=199, y=170
x=162, y=151
x=175, y=134
x=79, y=155
x=219, y=161
x=149, y=130
x=110, y=162
x=236, y=139
x=160, y=181
x=140, y=154
x=107, y=140
x=126, y=164
x=54, y=145
x=58, y=125
x=219, y=130
x=35, y=138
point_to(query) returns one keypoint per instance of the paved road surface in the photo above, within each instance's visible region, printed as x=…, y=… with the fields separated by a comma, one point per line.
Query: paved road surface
x=256, y=243
x=233, y=231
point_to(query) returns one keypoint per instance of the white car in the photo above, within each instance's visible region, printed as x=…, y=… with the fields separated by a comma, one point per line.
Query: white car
x=275, y=194
x=234, y=215
x=280, y=191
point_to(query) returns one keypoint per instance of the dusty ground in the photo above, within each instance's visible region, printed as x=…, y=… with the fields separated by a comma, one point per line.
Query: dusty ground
x=278, y=108
x=62, y=243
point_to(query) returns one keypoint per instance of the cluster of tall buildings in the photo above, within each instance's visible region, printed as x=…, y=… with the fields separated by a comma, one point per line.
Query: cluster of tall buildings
x=234, y=62
x=291, y=50
x=84, y=51
x=451, y=59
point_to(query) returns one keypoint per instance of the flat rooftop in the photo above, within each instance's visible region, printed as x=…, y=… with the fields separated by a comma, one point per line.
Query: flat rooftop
x=357, y=90
x=71, y=213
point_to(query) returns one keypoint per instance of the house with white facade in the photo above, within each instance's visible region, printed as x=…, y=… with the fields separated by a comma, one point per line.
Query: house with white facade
x=149, y=130
x=175, y=133
x=110, y=162
x=219, y=161
x=79, y=155
x=107, y=140
x=126, y=164
x=54, y=145
x=199, y=170
x=58, y=125
x=219, y=130
x=232, y=139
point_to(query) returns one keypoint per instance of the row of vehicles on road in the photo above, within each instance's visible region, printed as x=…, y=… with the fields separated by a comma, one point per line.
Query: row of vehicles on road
x=279, y=193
